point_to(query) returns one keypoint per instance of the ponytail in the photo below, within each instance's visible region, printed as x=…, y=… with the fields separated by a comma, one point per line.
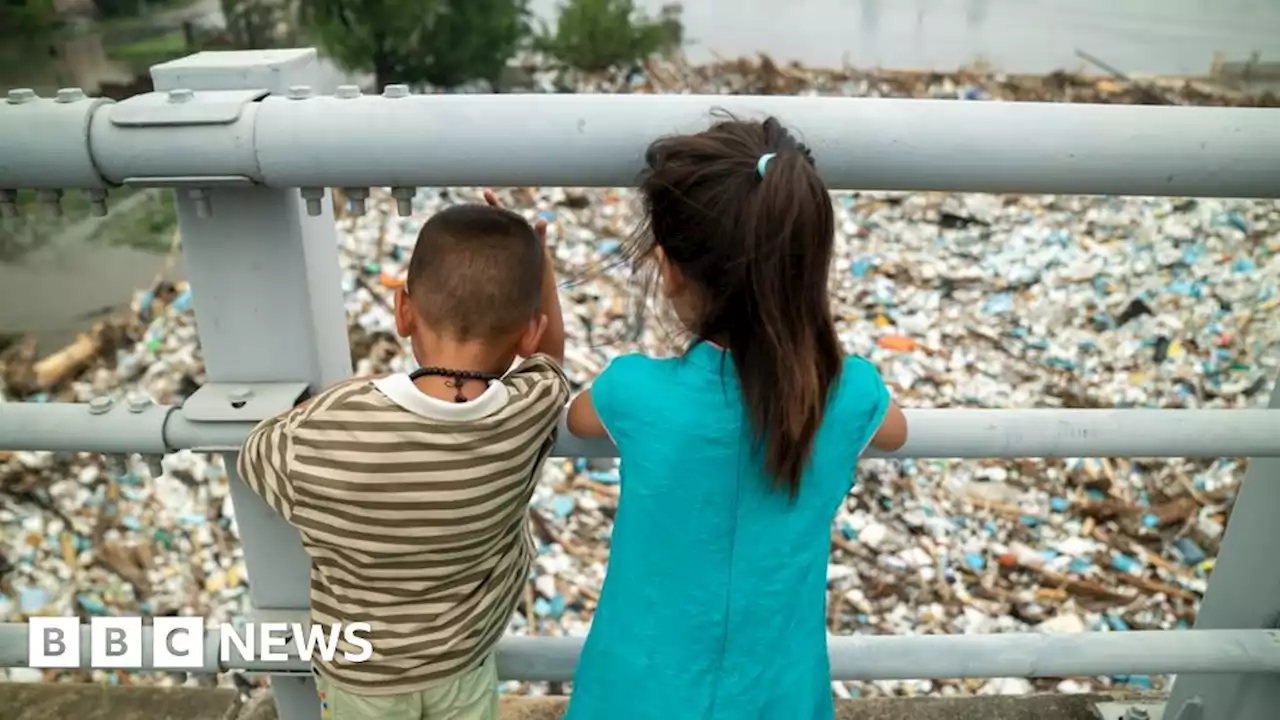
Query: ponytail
x=758, y=247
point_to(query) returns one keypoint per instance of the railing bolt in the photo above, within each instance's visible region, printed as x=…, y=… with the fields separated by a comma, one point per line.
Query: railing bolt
x=395, y=92
x=138, y=402
x=404, y=200
x=52, y=199
x=97, y=202
x=8, y=203
x=1137, y=713
x=100, y=404
x=356, y=198
x=347, y=92
x=314, y=197
x=70, y=95
x=19, y=96
x=181, y=95
x=240, y=396
x=299, y=92
x=200, y=197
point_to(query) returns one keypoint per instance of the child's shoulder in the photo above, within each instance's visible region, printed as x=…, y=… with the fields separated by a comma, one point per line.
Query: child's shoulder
x=860, y=393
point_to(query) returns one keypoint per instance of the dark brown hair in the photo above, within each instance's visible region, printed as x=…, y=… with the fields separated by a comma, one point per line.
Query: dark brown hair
x=476, y=272
x=757, y=251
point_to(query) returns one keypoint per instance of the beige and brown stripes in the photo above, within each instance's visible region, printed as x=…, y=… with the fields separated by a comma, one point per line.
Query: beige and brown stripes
x=415, y=525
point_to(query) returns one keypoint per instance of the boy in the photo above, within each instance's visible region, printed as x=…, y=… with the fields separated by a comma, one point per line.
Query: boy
x=411, y=492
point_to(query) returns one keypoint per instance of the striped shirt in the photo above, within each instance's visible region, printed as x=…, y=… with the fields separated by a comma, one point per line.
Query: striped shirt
x=414, y=511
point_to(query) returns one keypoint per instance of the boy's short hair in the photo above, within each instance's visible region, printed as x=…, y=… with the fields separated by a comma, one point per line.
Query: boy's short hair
x=476, y=272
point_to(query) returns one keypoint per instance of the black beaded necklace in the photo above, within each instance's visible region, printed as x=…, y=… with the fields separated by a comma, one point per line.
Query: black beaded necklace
x=457, y=378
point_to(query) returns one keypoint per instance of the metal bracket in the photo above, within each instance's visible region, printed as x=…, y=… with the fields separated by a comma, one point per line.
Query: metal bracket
x=1146, y=710
x=202, y=181
x=242, y=402
x=177, y=107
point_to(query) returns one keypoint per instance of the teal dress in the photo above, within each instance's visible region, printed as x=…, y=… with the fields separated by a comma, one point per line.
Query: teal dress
x=713, y=607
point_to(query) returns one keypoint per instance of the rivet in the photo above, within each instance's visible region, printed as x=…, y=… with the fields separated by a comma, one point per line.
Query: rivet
x=70, y=95
x=299, y=92
x=404, y=200
x=19, y=96
x=241, y=394
x=181, y=95
x=100, y=404
x=395, y=92
x=313, y=198
x=347, y=92
x=138, y=402
x=356, y=199
x=52, y=199
x=97, y=202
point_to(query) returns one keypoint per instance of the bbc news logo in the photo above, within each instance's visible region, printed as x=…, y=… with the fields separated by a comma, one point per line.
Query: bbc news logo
x=178, y=643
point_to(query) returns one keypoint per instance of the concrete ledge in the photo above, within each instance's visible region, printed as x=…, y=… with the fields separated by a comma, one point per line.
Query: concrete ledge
x=66, y=701
x=94, y=702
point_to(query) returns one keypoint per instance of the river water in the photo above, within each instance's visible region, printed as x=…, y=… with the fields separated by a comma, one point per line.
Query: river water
x=49, y=293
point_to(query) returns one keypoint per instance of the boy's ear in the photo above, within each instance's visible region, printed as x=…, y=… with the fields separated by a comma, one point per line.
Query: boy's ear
x=531, y=337
x=405, y=315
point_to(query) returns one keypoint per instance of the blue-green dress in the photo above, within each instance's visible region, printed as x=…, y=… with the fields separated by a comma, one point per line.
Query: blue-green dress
x=714, y=603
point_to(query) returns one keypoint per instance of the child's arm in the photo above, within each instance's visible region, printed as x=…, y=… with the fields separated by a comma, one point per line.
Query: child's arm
x=893, y=431
x=552, y=343
x=582, y=419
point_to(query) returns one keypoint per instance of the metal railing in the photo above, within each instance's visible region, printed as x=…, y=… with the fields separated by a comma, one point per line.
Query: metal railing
x=250, y=149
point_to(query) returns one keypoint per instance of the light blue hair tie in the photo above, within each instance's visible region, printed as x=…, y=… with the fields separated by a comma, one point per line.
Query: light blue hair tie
x=763, y=163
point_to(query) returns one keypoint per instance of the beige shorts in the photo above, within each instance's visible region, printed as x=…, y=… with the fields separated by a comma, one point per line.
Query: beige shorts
x=470, y=696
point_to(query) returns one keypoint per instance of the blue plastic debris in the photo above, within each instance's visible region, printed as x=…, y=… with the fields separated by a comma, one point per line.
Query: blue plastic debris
x=604, y=477
x=1244, y=265
x=183, y=302
x=1059, y=504
x=131, y=521
x=32, y=600
x=609, y=246
x=1141, y=681
x=557, y=605
x=847, y=531
x=1189, y=550
x=1237, y=221
x=861, y=266
x=1096, y=494
x=91, y=604
x=1115, y=622
x=563, y=505
x=193, y=519
x=541, y=607
x=1150, y=520
x=975, y=561
x=1029, y=521
x=1123, y=563
x=1080, y=565
x=998, y=304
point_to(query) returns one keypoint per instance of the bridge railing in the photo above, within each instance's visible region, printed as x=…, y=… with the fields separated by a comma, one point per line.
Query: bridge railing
x=250, y=148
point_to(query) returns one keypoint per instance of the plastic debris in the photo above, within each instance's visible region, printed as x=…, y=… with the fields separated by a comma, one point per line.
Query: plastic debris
x=961, y=300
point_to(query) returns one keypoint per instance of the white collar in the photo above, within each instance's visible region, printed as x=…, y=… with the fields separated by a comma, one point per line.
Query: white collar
x=400, y=390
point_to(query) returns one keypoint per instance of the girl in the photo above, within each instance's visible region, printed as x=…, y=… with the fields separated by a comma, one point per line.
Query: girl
x=735, y=456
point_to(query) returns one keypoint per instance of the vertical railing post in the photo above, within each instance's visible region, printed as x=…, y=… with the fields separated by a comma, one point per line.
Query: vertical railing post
x=266, y=290
x=1243, y=594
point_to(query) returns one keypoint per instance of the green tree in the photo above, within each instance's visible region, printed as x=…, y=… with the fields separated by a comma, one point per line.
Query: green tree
x=442, y=42
x=26, y=17
x=594, y=35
